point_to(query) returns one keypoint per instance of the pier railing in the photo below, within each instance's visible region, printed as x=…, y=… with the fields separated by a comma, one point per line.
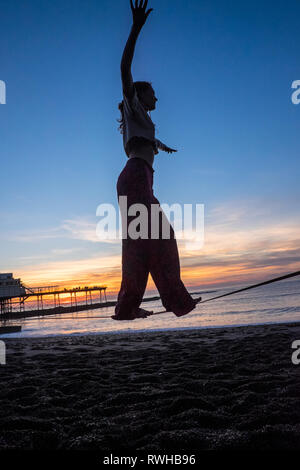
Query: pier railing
x=38, y=293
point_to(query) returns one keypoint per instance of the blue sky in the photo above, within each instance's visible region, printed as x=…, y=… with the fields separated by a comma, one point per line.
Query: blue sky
x=222, y=71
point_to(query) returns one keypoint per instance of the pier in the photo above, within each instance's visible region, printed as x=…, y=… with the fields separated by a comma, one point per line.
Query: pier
x=14, y=294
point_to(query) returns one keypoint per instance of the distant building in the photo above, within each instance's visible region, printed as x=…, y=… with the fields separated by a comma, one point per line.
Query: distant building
x=10, y=287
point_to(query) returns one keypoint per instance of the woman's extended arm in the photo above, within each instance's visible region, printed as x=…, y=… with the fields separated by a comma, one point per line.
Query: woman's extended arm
x=164, y=147
x=139, y=16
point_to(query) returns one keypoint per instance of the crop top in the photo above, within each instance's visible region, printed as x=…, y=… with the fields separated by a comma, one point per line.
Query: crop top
x=138, y=124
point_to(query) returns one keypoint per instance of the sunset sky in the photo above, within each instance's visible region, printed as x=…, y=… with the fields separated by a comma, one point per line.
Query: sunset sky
x=222, y=72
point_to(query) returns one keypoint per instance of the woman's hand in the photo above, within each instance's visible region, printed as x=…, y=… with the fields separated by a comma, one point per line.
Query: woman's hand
x=139, y=14
x=164, y=147
x=169, y=150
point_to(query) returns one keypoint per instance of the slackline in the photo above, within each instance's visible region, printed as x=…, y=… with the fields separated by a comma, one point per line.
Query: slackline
x=281, y=278
x=276, y=279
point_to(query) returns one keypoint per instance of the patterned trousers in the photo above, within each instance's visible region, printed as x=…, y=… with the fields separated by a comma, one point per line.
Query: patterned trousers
x=142, y=256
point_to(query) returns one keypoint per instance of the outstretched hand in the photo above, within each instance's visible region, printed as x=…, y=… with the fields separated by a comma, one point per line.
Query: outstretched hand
x=169, y=150
x=139, y=13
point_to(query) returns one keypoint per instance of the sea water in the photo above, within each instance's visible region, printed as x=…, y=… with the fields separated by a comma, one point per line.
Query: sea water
x=273, y=303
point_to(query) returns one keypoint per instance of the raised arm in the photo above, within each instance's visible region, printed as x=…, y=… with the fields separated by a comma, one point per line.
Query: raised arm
x=139, y=16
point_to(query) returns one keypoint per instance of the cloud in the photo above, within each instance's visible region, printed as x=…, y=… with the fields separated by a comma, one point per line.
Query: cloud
x=242, y=243
x=79, y=228
x=64, y=251
x=239, y=247
x=34, y=235
x=85, y=229
x=88, y=270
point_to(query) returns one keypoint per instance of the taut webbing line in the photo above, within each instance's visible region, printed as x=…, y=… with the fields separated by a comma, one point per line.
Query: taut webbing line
x=281, y=278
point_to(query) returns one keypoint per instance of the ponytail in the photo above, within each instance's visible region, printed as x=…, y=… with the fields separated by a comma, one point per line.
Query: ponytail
x=121, y=121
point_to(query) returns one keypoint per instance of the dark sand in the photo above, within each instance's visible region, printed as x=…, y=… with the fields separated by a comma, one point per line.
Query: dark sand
x=230, y=388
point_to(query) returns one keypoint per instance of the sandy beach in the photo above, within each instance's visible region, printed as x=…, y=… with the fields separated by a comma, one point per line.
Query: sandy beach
x=191, y=390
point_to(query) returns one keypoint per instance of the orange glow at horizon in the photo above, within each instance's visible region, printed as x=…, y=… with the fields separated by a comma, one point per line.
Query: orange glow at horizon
x=206, y=276
x=230, y=255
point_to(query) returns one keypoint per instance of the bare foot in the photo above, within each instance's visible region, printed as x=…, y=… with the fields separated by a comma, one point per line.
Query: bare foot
x=139, y=313
x=116, y=317
x=142, y=313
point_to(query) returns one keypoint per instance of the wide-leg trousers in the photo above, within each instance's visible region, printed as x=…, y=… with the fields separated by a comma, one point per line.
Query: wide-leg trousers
x=142, y=256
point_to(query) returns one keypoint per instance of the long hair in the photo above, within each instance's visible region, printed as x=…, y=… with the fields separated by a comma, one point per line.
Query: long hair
x=140, y=88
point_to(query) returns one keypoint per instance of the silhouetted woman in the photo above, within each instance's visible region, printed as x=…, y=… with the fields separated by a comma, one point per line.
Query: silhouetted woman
x=142, y=256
